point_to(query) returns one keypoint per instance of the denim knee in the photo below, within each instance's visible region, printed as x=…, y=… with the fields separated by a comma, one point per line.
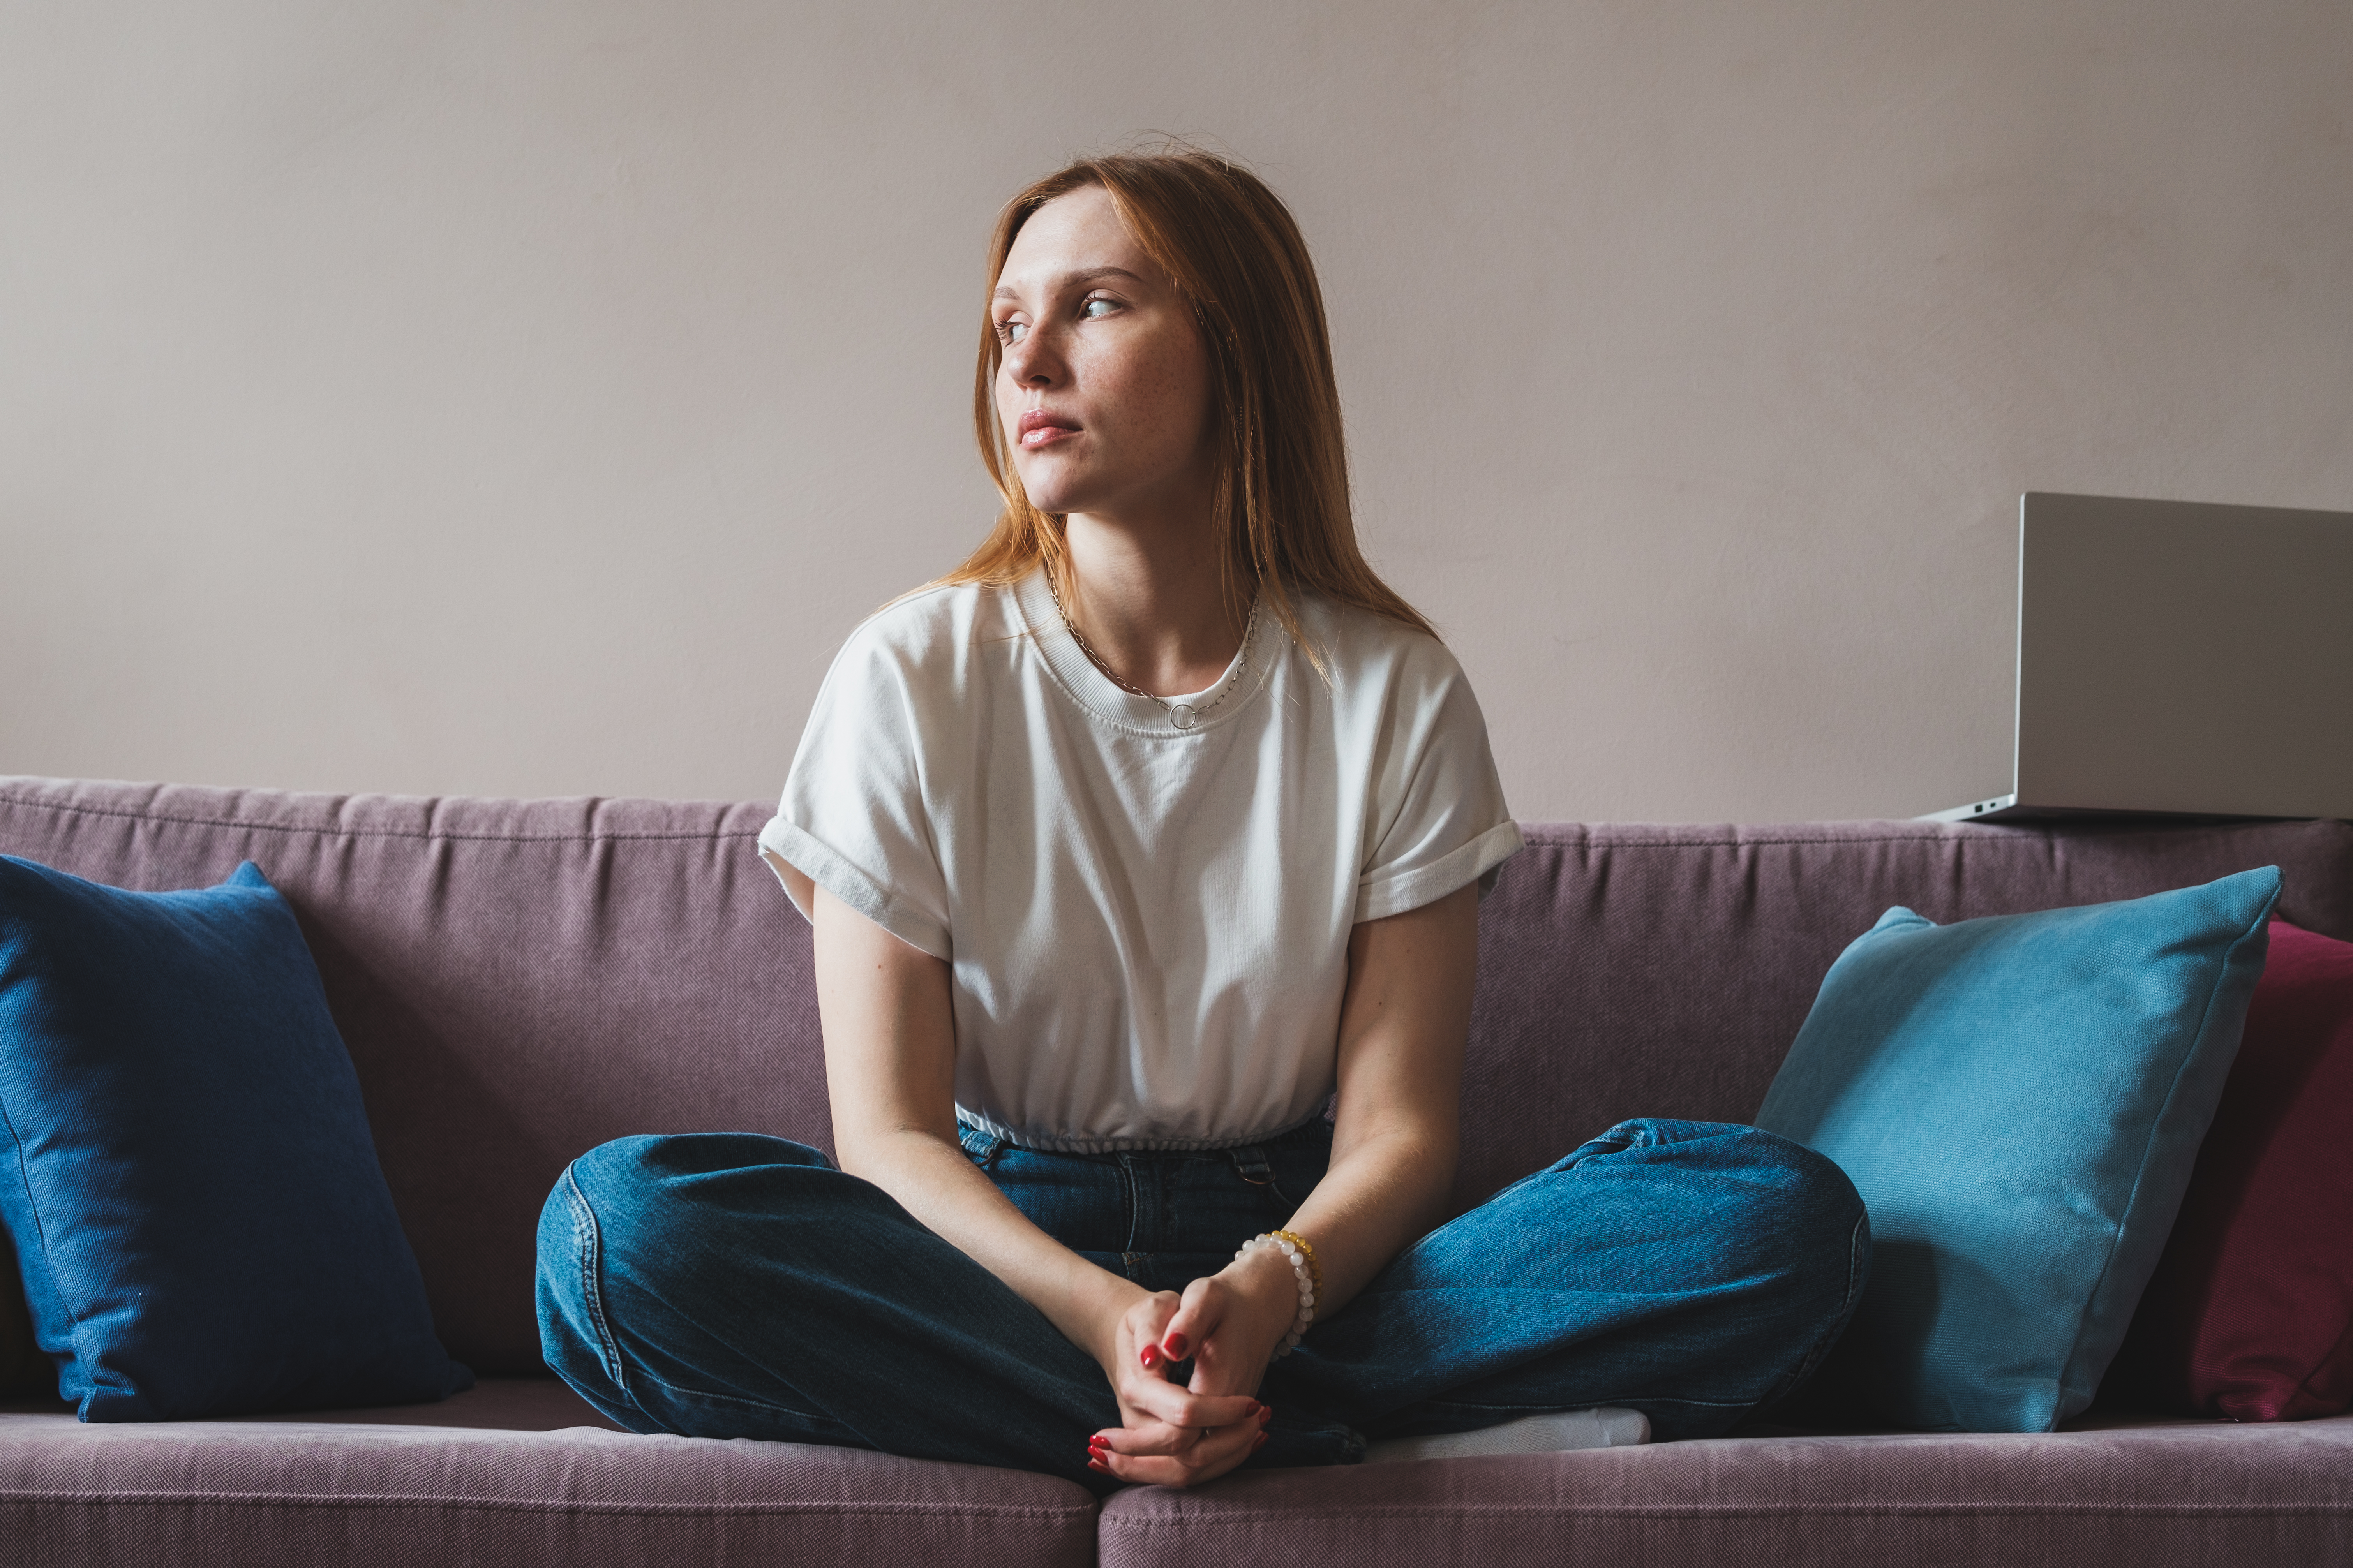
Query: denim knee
x=1796, y=1220
x=1798, y=1205
x=622, y=1209
x=574, y=1339
x=647, y=1193
x=627, y=1171
x=1818, y=1212
x=1791, y=1182
x=1820, y=1235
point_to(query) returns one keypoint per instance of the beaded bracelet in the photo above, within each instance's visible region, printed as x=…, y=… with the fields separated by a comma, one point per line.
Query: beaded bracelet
x=1314, y=1269
x=1304, y=1274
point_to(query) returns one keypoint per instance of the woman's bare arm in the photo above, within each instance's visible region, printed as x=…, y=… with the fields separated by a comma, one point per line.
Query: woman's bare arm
x=1397, y=1129
x=890, y=1066
x=890, y=1062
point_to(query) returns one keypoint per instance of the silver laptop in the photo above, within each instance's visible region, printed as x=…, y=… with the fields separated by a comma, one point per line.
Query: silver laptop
x=2179, y=659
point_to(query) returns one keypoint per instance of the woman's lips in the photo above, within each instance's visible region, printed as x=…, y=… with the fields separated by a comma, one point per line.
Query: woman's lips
x=1041, y=429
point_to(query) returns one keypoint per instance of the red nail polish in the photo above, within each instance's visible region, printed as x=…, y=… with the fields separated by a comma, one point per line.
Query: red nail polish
x=1176, y=1343
x=1260, y=1443
x=1098, y=1465
x=1151, y=1358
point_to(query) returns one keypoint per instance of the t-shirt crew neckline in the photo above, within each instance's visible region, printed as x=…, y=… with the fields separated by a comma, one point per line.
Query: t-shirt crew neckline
x=1105, y=700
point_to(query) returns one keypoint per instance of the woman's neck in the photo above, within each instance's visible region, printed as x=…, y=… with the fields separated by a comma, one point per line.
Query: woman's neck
x=1151, y=602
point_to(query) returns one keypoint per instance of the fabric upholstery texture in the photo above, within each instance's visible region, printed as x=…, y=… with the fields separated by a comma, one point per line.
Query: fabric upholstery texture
x=293, y=1493
x=2138, y=1496
x=2250, y=1312
x=518, y=981
x=186, y=1168
x=2019, y=1100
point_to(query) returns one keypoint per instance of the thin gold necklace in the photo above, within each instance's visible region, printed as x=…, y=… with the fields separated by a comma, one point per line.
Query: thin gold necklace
x=1181, y=715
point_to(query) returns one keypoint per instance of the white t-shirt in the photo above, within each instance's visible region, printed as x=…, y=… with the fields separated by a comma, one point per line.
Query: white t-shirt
x=1147, y=926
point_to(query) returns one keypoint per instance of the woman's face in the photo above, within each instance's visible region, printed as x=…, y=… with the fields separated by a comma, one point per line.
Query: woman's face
x=1104, y=385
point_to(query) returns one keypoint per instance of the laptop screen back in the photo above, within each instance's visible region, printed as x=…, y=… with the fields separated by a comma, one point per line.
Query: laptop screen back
x=2178, y=657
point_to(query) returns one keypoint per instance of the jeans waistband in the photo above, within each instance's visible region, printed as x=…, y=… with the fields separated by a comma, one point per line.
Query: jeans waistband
x=1250, y=1159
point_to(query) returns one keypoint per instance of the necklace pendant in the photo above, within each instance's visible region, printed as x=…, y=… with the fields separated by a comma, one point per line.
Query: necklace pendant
x=1183, y=715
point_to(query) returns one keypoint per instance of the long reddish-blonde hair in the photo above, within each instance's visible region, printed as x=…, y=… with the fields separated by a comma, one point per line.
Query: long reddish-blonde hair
x=1239, y=262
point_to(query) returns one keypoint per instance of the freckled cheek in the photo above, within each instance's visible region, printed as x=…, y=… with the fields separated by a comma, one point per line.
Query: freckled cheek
x=1179, y=403
x=1160, y=391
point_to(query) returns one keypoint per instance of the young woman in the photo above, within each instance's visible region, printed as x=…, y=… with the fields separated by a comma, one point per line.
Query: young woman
x=1153, y=827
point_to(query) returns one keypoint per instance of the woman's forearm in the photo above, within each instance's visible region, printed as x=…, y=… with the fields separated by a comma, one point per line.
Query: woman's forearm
x=1397, y=1132
x=934, y=1180
x=1375, y=1201
x=890, y=1056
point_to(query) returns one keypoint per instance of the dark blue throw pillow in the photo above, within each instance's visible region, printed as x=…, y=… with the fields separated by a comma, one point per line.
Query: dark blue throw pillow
x=186, y=1169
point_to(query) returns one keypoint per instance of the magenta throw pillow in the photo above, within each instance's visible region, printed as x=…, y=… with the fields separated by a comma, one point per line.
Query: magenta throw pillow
x=2249, y=1314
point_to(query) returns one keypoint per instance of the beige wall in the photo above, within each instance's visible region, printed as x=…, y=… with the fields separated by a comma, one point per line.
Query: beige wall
x=527, y=398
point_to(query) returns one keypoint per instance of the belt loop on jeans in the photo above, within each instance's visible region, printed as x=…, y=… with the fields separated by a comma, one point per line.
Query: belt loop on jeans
x=1250, y=1165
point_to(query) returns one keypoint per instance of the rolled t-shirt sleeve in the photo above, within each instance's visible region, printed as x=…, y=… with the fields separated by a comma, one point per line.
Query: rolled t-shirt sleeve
x=1439, y=806
x=853, y=819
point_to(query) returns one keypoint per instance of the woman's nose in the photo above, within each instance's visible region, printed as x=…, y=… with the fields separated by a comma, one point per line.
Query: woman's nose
x=1034, y=362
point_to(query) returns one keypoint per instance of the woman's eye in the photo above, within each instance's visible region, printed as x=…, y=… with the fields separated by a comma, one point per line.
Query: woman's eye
x=1089, y=311
x=1012, y=331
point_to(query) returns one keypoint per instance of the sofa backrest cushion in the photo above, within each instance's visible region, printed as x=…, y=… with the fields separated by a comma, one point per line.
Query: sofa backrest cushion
x=519, y=981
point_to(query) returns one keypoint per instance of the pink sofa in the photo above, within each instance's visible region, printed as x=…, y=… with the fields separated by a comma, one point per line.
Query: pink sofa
x=521, y=979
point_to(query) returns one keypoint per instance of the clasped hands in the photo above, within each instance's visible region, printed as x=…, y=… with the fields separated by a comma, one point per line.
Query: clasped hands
x=1229, y=1325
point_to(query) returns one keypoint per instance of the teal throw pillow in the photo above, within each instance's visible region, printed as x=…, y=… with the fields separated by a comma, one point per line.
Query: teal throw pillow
x=2018, y=1100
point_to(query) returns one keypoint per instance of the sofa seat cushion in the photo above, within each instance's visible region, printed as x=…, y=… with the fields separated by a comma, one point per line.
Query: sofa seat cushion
x=2147, y=1494
x=425, y=1486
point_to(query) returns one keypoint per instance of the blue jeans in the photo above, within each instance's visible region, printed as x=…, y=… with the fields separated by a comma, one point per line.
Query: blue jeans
x=732, y=1284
